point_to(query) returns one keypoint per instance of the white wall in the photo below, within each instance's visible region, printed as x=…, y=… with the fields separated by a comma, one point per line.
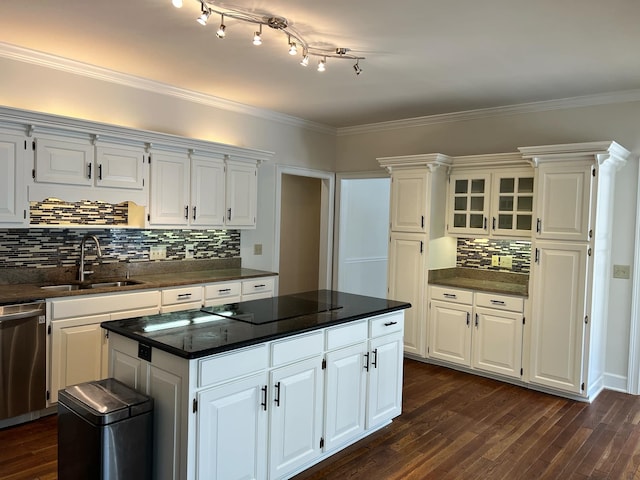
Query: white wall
x=357, y=149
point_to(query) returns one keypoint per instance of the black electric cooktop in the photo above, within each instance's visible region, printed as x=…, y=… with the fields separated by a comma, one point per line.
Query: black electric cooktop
x=267, y=310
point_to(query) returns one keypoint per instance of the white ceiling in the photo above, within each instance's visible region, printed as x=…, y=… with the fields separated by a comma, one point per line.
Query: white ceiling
x=423, y=57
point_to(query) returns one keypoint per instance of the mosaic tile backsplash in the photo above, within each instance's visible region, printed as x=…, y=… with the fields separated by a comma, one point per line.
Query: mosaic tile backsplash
x=477, y=253
x=56, y=247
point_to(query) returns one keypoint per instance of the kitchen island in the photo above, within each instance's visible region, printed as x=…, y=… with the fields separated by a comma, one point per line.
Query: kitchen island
x=265, y=388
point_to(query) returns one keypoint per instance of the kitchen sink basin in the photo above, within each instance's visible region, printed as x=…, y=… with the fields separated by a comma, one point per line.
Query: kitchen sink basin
x=68, y=287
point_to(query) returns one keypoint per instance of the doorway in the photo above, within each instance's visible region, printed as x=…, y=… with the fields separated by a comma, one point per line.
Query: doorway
x=304, y=227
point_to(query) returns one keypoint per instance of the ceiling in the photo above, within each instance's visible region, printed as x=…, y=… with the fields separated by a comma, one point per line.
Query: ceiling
x=423, y=57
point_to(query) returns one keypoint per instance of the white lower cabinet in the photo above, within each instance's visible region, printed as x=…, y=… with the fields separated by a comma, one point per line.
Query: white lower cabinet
x=232, y=430
x=270, y=410
x=478, y=330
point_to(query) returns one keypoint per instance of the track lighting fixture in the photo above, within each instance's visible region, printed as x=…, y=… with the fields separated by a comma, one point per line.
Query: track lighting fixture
x=295, y=39
x=206, y=13
x=257, y=37
x=221, y=29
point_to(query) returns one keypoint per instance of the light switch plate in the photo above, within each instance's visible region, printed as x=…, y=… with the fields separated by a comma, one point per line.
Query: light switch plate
x=622, y=271
x=189, y=250
x=257, y=249
x=495, y=260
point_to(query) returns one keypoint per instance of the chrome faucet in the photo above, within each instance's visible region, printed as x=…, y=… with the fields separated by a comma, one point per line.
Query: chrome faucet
x=81, y=271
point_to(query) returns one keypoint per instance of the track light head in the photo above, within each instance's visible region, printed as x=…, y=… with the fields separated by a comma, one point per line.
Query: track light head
x=305, y=58
x=220, y=33
x=177, y=3
x=257, y=37
x=357, y=68
x=322, y=64
x=204, y=16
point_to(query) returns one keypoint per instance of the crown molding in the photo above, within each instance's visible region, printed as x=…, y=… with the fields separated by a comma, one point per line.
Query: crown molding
x=523, y=108
x=74, y=67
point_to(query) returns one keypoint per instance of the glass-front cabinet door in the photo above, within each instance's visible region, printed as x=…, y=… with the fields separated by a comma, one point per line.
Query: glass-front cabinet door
x=512, y=212
x=468, y=204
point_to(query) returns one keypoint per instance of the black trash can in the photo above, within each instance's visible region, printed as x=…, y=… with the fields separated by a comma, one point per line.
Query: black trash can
x=105, y=431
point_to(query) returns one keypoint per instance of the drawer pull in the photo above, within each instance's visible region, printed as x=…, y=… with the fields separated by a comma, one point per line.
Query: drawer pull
x=450, y=295
x=498, y=302
x=263, y=404
x=366, y=361
x=277, y=395
x=388, y=324
x=224, y=290
x=262, y=285
x=374, y=362
x=182, y=296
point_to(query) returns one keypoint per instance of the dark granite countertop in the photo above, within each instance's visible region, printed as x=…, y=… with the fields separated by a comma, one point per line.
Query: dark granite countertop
x=175, y=274
x=491, y=281
x=198, y=333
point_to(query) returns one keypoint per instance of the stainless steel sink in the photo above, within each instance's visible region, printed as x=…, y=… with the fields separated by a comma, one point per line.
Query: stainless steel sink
x=67, y=287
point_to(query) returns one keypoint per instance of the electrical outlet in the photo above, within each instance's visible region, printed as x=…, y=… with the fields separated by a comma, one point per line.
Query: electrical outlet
x=257, y=249
x=506, y=261
x=495, y=260
x=189, y=250
x=622, y=271
x=158, y=252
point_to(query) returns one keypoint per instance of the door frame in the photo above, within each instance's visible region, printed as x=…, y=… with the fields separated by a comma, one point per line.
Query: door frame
x=336, y=236
x=327, y=203
x=633, y=368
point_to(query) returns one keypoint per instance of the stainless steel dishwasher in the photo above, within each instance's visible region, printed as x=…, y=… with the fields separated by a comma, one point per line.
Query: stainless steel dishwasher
x=22, y=359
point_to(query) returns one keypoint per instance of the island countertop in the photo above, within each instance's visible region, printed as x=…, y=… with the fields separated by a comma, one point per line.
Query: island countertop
x=198, y=333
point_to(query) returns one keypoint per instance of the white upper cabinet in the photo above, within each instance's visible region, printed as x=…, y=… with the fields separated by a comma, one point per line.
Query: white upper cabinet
x=512, y=203
x=469, y=203
x=241, y=194
x=202, y=191
x=65, y=161
x=564, y=201
x=409, y=201
x=13, y=198
x=119, y=166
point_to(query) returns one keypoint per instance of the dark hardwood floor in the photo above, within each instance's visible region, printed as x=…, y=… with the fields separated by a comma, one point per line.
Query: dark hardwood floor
x=453, y=426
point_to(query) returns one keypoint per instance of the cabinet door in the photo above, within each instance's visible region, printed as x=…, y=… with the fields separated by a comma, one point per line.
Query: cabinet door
x=13, y=202
x=119, y=166
x=76, y=352
x=232, y=431
x=409, y=201
x=406, y=283
x=169, y=189
x=564, y=201
x=207, y=192
x=241, y=195
x=384, y=395
x=450, y=332
x=345, y=395
x=512, y=204
x=558, y=314
x=468, y=204
x=296, y=416
x=497, y=341
x=64, y=161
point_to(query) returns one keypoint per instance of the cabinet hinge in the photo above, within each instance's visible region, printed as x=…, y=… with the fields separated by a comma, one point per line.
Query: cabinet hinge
x=321, y=442
x=48, y=395
x=195, y=405
x=324, y=364
x=586, y=319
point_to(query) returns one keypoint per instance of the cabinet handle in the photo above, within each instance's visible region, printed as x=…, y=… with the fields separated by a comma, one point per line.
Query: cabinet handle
x=493, y=223
x=366, y=361
x=374, y=362
x=421, y=246
x=485, y=223
x=476, y=320
x=388, y=324
x=262, y=285
x=99, y=171
x=224, y=290
x=450, y=295
x=228, y=214
x=186, y=212
x=422, y=222
x=263, y=404
x=537, y=257
x=498, y=302
x=538, y=225
x=89, y=172
x=277, y=396
x=468, y=318
x=182, y=296
x=194, y=212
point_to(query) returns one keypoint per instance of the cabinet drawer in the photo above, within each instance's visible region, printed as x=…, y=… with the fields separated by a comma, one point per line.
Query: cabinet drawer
x=501, y=302
x=452, y=295
x=258, y=285
x=296, y=348
x=344, y=335
x=171, y=296
x=384, y=324
x=220, y=291
x=109, y=303
x=230, y=366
